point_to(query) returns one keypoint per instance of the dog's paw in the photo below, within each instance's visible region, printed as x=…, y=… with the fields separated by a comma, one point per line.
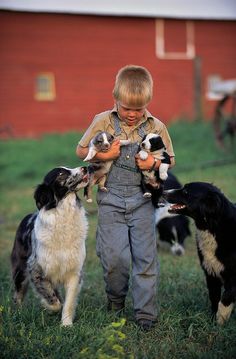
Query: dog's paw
x=223, y=313
x=66, y=322
x=143, y=155
x=89, y=200
x=147, y=195
x=54, y=307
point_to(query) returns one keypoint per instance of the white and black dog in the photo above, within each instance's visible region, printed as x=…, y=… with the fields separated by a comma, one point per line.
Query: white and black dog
x=152, y=179
x=215, y=219
x=99, y=169
x=49, y=247
x=172, y=228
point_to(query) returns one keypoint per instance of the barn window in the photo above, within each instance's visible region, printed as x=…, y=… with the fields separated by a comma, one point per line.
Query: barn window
x=45, y=87
x=175, y=39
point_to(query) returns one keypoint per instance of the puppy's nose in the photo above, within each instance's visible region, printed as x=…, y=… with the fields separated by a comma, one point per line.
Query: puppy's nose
x=106, y=145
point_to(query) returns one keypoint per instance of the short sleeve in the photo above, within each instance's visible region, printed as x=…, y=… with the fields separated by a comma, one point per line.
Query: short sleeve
x=98, y=124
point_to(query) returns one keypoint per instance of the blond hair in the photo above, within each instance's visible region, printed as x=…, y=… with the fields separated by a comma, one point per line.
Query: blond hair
x=133, y=86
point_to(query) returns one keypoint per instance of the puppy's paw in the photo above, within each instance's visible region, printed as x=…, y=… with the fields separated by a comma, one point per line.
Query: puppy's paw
x=124, y=142
x=103, y=189
x=143, y=155
x=163, y=176
x=89, y=200
x=147, y=195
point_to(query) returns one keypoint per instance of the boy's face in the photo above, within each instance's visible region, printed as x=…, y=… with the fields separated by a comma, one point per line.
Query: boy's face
x=130, y=115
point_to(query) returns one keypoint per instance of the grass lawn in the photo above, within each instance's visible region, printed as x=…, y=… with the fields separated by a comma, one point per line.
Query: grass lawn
x=184, y=329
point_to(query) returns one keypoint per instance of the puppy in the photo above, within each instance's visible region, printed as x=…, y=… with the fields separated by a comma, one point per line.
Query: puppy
x=215, y=219
x=99, y=169
x=49, y=247
x=172, y=229
x=153, y=144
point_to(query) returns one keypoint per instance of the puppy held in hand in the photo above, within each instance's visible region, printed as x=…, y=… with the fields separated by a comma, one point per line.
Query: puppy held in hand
x=153, y=144
x=98, y=170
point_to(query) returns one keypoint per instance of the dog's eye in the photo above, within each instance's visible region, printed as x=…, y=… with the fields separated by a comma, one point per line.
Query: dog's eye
x=185, y=192
x=61, y=174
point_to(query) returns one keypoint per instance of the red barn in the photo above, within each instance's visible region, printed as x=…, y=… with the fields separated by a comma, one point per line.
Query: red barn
x=58, y=62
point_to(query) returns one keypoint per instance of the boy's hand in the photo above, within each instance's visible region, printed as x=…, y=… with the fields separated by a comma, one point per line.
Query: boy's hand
x=114, y=151
x=111, y=154
x=145, y=165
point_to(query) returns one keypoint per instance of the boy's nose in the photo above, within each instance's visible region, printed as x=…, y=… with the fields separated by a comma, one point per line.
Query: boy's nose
x=132, y=113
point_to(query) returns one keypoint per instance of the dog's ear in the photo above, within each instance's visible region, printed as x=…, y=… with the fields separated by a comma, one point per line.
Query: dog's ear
x=92, y=152
x=157, y=143
x=44, y=197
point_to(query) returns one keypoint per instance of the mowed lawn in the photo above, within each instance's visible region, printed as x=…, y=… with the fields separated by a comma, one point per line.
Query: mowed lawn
x=184, y=328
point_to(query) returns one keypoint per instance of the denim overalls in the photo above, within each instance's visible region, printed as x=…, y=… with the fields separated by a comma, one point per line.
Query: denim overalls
x=126, y=234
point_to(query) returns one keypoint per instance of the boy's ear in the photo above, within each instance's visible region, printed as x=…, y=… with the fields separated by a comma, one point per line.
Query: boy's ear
x=92, y=152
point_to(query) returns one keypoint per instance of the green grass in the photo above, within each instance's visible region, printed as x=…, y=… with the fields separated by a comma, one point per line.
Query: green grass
x=184, y=329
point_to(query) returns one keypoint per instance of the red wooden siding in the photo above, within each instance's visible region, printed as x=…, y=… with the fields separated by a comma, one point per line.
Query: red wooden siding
x=85, y=53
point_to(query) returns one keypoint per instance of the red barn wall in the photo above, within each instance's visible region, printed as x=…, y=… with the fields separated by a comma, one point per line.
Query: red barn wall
x=85, y=53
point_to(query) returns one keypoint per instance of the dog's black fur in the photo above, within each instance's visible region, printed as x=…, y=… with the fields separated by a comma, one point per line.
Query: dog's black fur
x=215, y=219
x=172, y=228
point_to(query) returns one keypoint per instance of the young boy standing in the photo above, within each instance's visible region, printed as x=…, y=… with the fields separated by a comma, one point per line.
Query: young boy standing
x=126, y=227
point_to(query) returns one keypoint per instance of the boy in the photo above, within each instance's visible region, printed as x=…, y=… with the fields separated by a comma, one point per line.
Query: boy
x=126, y=226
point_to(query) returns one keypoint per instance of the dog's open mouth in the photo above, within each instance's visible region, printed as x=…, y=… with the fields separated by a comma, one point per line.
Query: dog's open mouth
x=176, y=207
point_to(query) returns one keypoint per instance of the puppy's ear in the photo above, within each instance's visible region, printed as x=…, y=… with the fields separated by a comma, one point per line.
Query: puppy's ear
x=92, y=152
x=44, y=197
x=157, y=143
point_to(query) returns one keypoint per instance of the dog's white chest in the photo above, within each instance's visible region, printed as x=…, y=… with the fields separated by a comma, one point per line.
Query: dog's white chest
x=207, y=245
x=60, y=239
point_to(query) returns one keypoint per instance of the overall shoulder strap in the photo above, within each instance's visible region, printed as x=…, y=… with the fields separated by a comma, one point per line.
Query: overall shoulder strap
x=116, y=124
x=141, y=130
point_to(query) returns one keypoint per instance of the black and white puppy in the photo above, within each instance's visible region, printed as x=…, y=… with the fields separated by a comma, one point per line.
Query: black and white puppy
x=153, y=144
x=99, y=169
x=215, y=219
x=49, y=247
x=172, y=228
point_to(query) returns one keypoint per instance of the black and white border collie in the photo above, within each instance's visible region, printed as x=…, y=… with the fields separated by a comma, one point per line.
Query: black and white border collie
x=172, y=228
x=153, y=144
x=215, y=219
x=49, y=247
x=101, y=142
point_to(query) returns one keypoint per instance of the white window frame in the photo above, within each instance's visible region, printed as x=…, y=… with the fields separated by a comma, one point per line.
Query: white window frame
x=160, y=42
